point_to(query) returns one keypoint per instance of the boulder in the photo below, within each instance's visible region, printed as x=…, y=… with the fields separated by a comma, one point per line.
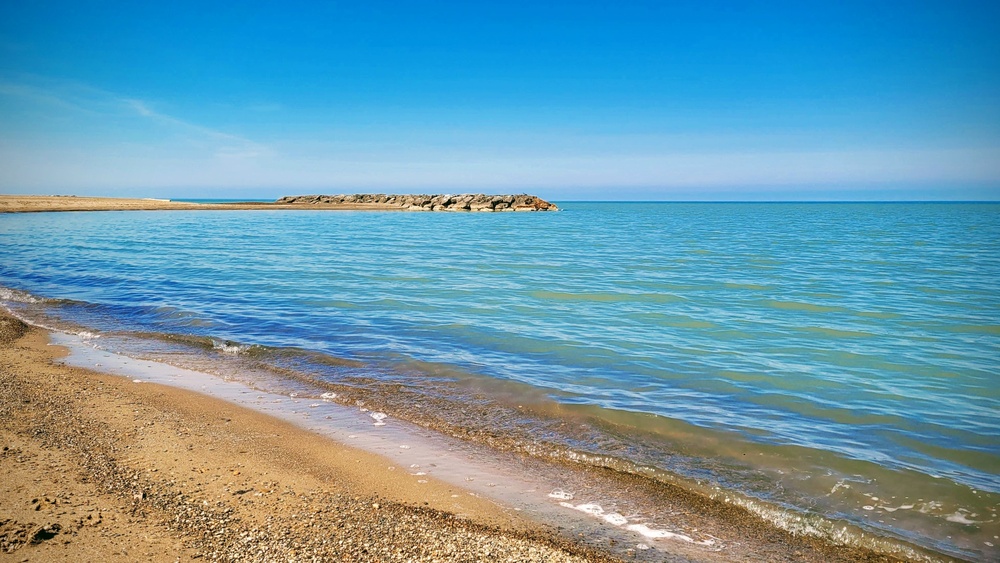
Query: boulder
x=423, y=202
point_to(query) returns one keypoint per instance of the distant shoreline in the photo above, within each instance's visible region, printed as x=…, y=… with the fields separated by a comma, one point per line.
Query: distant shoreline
x=356, y=202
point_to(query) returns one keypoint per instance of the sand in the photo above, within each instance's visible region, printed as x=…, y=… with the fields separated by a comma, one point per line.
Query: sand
x=98, y=468
x=36, y=203
x=94, y=467
x=39, y=203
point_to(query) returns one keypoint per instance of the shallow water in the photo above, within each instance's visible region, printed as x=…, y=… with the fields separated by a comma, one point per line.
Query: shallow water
x=550, y=495
x=839, y=360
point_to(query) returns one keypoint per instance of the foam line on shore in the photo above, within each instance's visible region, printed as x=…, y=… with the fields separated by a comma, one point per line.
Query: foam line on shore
x=480, y=472
x=544, y=508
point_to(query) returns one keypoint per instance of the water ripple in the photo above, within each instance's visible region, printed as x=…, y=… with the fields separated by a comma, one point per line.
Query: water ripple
x=868, y=331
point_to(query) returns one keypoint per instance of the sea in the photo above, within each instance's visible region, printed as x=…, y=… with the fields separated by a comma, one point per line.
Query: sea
x=832, y=367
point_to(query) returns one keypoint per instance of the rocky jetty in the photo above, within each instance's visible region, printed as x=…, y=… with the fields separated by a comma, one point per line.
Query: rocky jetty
x=443, y=202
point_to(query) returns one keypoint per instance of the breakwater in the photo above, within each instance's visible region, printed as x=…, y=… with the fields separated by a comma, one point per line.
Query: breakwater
x=441, y=202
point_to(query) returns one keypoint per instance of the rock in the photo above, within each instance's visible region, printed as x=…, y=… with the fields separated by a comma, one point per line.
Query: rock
x=45, y=532
x=424, y=202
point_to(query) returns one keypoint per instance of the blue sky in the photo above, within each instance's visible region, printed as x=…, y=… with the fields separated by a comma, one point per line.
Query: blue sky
x=570, y=100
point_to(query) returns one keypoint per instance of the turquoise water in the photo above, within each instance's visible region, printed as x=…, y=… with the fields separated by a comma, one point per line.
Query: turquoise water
x=840, y=360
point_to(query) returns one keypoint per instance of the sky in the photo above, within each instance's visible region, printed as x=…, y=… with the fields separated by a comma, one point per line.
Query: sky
x=701, y=100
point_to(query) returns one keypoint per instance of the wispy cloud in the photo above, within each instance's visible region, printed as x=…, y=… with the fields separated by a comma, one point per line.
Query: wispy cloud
x=141, y=108
x=229, y=145
x=265, y=108
x=90, y=101
x=116, y=141
x=41, y=96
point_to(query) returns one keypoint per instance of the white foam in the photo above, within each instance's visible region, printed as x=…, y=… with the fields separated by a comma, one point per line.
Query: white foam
x=615, y=519
x=561, y=495
x=653, y=533
x=230, y=348
x=959, y=518
x=328, y=396
x=840, y=485
x=931, y=506
x=83, y=334
x=7, y=294
x=406, y=446
x=379, y=417
x=589, y=508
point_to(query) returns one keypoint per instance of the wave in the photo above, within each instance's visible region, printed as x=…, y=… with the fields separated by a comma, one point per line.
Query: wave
x=514, y=417
x=17, y=296
x=608, y=297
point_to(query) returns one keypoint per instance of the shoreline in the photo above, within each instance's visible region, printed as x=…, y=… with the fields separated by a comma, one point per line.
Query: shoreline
x=97, y=466
x=755, y=539
x=358, y=202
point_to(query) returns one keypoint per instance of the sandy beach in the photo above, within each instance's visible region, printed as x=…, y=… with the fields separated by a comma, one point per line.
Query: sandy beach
x=97, y=468
x=643, y=282
x=49, y=203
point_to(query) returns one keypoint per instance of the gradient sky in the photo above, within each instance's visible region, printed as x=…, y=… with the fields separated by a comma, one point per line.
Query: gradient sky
x=570, y=100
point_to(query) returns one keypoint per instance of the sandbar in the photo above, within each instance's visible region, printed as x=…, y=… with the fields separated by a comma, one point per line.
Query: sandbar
x=355, y=202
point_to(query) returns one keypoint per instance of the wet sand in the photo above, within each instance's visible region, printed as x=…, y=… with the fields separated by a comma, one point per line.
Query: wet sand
x=97, y=467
